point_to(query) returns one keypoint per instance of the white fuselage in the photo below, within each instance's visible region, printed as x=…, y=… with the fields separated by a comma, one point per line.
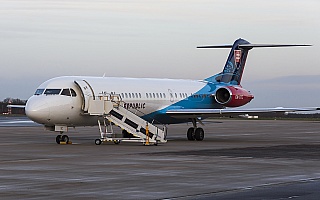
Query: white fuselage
x=61, y=100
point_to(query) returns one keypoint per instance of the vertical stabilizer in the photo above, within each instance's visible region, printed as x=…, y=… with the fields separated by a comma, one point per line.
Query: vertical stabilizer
x=234, y=67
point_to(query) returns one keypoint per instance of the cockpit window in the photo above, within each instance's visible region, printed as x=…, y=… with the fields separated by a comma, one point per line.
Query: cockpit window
x=39, y=92
x=66, y=92
x=73, y=93
x=52, y=91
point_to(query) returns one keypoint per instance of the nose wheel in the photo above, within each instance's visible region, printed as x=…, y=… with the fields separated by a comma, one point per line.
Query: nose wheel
x=62, y=138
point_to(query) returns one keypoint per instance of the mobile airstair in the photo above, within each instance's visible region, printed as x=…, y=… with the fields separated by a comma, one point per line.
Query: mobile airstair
x=110, y=111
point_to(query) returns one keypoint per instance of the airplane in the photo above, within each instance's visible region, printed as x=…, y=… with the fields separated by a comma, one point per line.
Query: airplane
x=66, y=101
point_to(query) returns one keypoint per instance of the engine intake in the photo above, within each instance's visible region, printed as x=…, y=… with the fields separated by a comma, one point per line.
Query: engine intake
x=232, y=96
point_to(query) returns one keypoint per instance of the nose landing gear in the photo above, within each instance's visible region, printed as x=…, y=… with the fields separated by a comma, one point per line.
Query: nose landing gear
x=62, y=139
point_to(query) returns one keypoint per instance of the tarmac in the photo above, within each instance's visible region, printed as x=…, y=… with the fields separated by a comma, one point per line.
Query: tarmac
x=238, y=159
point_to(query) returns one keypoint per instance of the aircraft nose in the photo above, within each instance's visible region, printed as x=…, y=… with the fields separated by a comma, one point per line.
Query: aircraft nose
x=37, y=109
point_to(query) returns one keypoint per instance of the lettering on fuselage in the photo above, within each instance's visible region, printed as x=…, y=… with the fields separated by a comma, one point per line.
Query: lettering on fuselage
x=104, y=93
x=134, y=105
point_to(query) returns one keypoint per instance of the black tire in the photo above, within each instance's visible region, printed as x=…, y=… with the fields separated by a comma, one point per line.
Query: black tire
x=65, y=139
x=190, y=134
x=97, y=141
x=58, y=139
x=199, y=134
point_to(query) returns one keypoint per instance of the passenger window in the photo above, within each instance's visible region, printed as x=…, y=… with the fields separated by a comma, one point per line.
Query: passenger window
x=66, y=92
x=129, y=95
x=164, y=95
x=140, y=95
x=158, y=95
x=154, y=96
x=147, y=95
x=126, y=95
x=39, y=92
x=52, y=91
x=150, y=95
x=176, y=95
x=161, y=95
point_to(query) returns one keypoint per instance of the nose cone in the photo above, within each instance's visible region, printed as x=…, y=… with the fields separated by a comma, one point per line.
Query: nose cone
x=37, y=109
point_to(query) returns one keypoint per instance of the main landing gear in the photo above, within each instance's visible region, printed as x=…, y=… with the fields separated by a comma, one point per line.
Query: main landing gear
x=62, y=138
x=195, y=133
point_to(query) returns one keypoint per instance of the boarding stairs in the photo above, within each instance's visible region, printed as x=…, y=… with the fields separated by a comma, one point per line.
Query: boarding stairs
x=110, y=110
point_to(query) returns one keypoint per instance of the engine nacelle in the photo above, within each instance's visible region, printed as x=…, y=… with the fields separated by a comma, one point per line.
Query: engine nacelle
x=233, y=96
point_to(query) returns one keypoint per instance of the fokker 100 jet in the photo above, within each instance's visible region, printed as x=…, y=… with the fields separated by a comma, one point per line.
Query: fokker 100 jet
x=137, y=104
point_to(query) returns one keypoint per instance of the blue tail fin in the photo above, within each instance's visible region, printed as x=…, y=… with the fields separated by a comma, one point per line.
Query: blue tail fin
x=234, y=67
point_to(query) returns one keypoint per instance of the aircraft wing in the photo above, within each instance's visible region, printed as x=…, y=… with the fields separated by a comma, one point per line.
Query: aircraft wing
x=16, y=106
x=190, y=113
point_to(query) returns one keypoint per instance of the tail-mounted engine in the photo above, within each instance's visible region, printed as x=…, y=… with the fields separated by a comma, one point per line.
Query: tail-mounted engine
x=233, y=96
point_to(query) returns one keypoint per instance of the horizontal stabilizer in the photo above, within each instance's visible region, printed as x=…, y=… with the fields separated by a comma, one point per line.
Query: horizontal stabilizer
x=216, y=46
x=250, y=46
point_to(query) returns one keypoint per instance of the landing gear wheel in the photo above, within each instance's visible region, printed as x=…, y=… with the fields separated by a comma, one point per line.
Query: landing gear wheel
x=117, y=141
x=199, y=134
x=97, y=141
x=190, y=134
x=58, y=139
x=65, y=139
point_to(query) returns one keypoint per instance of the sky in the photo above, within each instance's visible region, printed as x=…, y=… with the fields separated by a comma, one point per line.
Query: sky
x=42, y=39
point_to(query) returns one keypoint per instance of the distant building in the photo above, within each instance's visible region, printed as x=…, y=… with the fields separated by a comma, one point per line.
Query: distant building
x=247, y=116
x=4, y=110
